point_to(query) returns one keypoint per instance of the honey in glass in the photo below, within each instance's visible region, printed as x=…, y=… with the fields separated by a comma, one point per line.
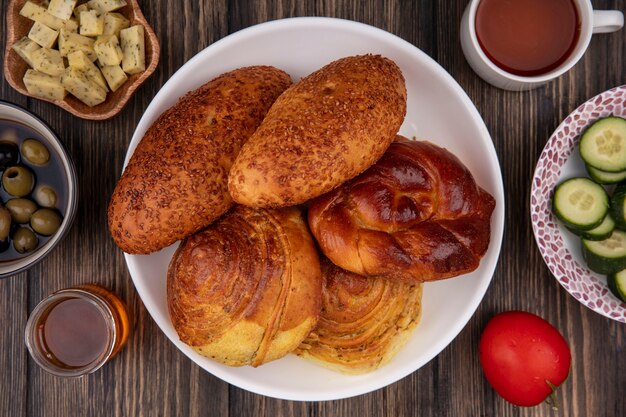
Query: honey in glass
x=75, y=331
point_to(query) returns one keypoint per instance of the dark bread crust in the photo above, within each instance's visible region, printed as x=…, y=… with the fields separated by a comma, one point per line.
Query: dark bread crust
x=176, y=181
x=416, y=215
x=324, y=130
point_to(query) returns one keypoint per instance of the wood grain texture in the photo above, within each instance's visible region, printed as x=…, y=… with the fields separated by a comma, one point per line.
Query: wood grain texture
x=151, y=378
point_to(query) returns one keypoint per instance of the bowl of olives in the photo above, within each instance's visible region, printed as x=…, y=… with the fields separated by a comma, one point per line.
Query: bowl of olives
x=38, y=191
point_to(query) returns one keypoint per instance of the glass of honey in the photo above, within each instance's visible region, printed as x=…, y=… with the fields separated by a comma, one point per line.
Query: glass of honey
x=522, y=44
x=75, y=331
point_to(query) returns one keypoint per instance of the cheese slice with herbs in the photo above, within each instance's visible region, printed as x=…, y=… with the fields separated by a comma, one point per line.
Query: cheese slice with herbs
x=133, y=49
x=80, y=61
x=114, y=23
x=25, y=48
x=115, y=76
x=44, y=85
x=106, y=5
x=71, y=25
x=39, y=14
x=91, y=23
x=49, y=61
x=83, y=88
x=61, y=8
x=108, y=50
x=42, y=35
x=80, y=8
x=70, y=42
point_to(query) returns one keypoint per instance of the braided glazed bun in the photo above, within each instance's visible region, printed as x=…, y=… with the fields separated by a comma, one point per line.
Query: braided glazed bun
x=327, y=128
x=246, y=290
x=416, y=215
x=364, y=321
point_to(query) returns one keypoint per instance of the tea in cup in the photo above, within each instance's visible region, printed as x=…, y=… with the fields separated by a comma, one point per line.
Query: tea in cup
x=522, y=44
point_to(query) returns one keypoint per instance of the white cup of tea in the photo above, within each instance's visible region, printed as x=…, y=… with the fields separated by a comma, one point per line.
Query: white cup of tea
x=522, y=44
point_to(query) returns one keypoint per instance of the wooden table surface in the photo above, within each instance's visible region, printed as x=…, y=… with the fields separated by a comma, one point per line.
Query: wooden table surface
x=151, y=377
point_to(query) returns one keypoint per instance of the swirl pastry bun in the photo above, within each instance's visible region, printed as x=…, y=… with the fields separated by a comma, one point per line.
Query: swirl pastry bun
x=246, y=290
x=176, y=181
x=416, y=215
x=324, y=130
x=364, y=321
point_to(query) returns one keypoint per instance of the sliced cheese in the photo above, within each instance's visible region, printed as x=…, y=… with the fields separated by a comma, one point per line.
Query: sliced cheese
x=61, y=8
x=115, y=76
x=70, y=42
x=80, y=8
x=81, y=62
x=113, y=23
x=24, y=48
x=44, y=85
x=108, y=50
x=83, y=88
x=42, y=35
x=91, y=23
x=106, y=5
x=133, y=49
x=39, y=14
x=49, y=61
x=71, y=25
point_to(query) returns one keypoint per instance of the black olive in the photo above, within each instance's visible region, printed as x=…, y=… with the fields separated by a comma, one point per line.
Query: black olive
x=9, y=152
x=4, y=245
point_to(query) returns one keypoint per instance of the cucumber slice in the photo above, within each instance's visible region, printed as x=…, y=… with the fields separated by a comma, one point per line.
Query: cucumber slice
x=606, y=256
x=617, y=284
x=603, y=144
x=580, y=203
x=601, y=232
x=618, y=207
x=603, y=177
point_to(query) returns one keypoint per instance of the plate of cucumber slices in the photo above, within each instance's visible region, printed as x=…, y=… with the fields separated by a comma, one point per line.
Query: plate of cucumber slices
x=578, y=203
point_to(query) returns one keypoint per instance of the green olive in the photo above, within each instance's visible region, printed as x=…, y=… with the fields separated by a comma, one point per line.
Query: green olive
x=46, y=196
x=35, y=152
x=18, y=180
x=24, y=240
x=21, y=209
x=45, y=221
x=5, y=223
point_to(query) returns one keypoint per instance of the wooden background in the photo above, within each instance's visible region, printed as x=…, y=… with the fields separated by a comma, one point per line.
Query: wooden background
x=150, y=377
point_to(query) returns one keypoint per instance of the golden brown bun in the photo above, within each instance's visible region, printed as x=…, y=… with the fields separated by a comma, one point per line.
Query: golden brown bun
x=364, y=321
x=247, y=290
x=417, y=215
x=324, y=130
x=176, y=181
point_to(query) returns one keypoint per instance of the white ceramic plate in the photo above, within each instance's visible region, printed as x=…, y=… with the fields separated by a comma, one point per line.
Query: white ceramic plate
x=560, y=248
x=438, y=109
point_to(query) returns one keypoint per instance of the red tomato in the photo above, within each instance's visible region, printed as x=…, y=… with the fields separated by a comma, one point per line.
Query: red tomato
x=522, y=355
